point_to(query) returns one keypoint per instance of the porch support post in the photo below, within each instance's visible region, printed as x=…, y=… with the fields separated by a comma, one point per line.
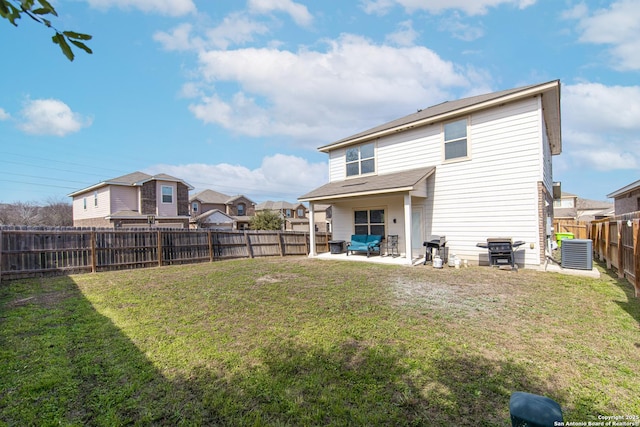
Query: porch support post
x=312, y=231
x=407, y=228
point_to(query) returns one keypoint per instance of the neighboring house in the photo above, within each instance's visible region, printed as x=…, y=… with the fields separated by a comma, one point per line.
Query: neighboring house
x=133, y=200
x=469, y=169
x=566, y=207
x=205, y=203
x=322, y=218
x=214, y=219
x=626, y=199
x=570, y=206
x=294, y=215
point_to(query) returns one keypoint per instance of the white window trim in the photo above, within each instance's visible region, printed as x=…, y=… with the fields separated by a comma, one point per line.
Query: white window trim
x=360, y=159
x=162, y=187
x=468, y=138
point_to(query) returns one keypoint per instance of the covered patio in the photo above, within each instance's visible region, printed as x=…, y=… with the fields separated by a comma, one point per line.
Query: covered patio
x=391, y=204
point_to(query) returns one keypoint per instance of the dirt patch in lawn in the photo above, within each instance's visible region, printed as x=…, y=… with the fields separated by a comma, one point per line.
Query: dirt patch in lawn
x=461, y=292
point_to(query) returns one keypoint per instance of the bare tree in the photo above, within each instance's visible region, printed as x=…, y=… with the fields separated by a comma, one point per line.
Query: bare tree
x=25, y=213
x=56, y=213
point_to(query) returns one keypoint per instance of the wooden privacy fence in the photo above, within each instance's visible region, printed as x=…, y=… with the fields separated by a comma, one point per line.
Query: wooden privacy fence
x=580, y=229
x=617, y=242
x=29, y=252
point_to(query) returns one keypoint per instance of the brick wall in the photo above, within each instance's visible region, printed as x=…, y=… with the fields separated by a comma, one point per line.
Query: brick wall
x=148, y=198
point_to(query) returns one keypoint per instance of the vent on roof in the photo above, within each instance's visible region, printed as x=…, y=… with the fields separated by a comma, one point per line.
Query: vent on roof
x=577, y=253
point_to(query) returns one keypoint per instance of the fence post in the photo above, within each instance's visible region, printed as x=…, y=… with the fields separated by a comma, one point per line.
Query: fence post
x=159, y=242
x=248, y=242
x=210, y=237
x=94, y=256
x=279, y=233
x=620, y=251
x=636, y=256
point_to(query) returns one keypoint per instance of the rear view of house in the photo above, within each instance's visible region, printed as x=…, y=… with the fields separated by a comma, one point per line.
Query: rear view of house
x=470, y=169
x=133, y=200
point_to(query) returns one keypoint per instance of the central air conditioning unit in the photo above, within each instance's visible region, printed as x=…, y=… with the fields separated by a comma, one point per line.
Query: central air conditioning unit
x=577, y=253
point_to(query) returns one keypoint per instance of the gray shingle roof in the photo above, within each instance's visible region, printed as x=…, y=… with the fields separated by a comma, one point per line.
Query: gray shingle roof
x=436, y=112
x=210, y=196
x=131, y=179
x=389, y=183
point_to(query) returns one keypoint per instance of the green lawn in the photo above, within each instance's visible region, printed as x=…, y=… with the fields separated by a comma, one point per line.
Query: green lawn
x=293, y=341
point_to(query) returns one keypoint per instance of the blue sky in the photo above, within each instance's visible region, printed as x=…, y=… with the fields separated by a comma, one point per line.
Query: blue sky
x=236, y=96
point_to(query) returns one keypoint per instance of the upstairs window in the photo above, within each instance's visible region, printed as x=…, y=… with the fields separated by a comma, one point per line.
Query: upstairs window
x=288, y=213
x=300, y=213
x=361, y=160
x=95, y=198
x=167, y=194
x=241, y=209
x=455, y=140
x=194, y=207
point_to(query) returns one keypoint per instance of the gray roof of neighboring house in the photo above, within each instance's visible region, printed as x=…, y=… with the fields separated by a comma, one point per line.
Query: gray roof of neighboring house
x=625, y=189
x=131, y=179
x=210, y=196
x=214, y=197
x=592, y=204
x=373, y=184
x=448, y=109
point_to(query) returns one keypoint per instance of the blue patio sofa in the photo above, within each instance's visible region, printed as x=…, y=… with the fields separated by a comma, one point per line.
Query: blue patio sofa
x=368, y=243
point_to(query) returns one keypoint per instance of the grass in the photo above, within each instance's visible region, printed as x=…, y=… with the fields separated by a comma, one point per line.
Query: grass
x=293, y=341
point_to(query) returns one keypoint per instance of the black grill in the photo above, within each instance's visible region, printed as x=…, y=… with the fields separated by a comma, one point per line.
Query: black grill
x=437, y=243
x=501, y=250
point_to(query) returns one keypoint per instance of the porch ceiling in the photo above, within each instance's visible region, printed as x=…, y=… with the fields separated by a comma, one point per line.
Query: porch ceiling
x=370, y=185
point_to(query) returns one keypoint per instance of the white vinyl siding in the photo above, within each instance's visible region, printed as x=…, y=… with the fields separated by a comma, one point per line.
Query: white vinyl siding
x=495, y=194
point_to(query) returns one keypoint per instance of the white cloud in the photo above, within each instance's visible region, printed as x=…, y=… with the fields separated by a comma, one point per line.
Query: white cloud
x=618, y=26
x=601, y=127
x=178, y=39
x=4, y=115
x=405, y=36
x=469, y=7
x=163, y=7
x=455, y=25
x=235, y=29
x=279, y=177
x=314, y=96
x=50, y=117
x=298, y=12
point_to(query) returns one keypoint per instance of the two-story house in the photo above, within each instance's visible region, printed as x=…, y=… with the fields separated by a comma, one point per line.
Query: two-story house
x=626, y=199
x=133, y=200
x=470, y=169
x=211, y=209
